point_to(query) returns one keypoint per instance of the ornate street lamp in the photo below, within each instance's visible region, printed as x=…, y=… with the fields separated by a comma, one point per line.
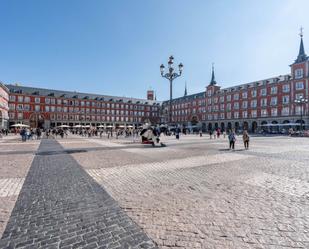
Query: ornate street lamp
x=301, y=101
x=171, y=75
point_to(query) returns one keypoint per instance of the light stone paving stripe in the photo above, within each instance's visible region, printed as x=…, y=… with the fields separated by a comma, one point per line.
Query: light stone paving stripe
x=138, y=169
x=104, y=143
x=280, y=183
x=10, y=186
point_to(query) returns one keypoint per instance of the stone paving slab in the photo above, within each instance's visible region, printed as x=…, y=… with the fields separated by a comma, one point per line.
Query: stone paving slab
x=10, y=186
x=61, y=206
x=206, y=202
x=13, y=170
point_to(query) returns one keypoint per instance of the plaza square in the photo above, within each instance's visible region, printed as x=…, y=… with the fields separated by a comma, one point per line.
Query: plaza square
x=157, y=124
x=193, y=193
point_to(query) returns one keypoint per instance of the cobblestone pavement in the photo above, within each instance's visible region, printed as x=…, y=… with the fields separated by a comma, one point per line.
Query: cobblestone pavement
x=61, y=206
x=194, y=193
x=13, y=170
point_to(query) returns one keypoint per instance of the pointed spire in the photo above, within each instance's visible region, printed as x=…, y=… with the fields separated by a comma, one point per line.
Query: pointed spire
x=186, y=92
x=301, y=54
x=155, y=97
x=213, y=81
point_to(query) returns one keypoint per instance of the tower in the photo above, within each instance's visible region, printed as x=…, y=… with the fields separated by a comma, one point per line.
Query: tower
x=301, y=54
x=150, y=95
x=186, y=92
x=213, y=81
x=299, y=68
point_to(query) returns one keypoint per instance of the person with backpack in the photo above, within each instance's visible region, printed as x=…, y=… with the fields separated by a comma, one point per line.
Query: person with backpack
x=246, y=139
x=232, y=140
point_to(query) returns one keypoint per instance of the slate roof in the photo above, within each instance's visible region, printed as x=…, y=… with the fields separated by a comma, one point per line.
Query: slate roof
x=75, y=95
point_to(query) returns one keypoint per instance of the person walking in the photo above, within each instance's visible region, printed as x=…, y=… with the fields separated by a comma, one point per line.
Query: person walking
x=232, y=140
x=246, y=138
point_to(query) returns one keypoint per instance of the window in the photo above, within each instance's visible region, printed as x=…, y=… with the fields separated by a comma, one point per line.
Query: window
x=253, y=103
x=264, y=113
x=228, y=98
x=229, y=115
x=27, y=107
x=298, y=73
x=59, y=101
x=12, y=98
x=273, y=90
x=273, y=112
x=253, y=93
x=244, y=114
x=47, y=108
x=27, y=99
x=222, y=115
x=37, y=100
x=228, y=106
x=12, y=115
x=273, y=101
x=253, y=114
x=244, y=95
x=20, y=107
x=11, y=107
x=263, y=92
x=53, y=101
x=244, y=104
x=236, y=96
x=37, y=108
x=47, y=101
x=285, y=99
x=20, y=115
x=286, y=88
x=236, y=105
x=221, y=99
x=299, y=85
x=20, y=98
x=297, y=110
x=52, y=108
x=222, y=107
x=236, y=114
x=263, y=102
x=285, y=111
x=298, y=96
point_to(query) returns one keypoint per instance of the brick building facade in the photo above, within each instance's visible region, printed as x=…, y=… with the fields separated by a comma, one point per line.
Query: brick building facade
x=4, y=108
x=49, y=108
x=247, y=106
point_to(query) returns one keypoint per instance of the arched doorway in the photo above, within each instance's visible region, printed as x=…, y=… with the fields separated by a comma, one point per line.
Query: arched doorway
x=254, y=126
x=36, y=120
x=216, y=126
x=203, y=127
x=245, y=125
x=264, y=126
x=275, y=126
x=301, y=125
x=236, y=126
x=222, y=126
x=210, y=126
x=229, y=126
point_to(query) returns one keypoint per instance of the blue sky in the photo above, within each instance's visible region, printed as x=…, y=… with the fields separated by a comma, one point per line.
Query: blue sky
x=116, y=47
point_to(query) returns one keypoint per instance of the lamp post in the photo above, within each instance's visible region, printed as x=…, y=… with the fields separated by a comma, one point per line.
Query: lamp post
x=301, y=101
x=171, y=75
